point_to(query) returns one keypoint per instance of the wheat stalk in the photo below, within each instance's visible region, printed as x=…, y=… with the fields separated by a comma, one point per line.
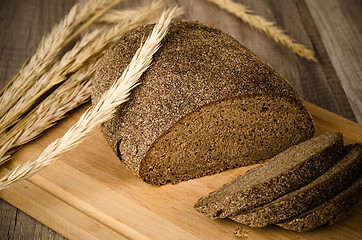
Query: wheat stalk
x=89, y=46
x=56, y=75
x=49, y=49
x=117, y=94
x=73, y=92
x=260, y=23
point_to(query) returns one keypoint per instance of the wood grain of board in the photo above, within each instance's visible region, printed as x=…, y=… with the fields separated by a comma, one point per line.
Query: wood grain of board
x=332, y=28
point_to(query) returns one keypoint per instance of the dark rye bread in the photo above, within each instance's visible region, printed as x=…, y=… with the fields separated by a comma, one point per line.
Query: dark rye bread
x=206, y=104
x=286, y=172
x=332, y=182
x=329, y=212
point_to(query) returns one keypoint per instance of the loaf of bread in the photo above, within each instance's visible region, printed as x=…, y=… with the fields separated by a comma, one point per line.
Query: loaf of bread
x=329, y=184
x=286, y=172
x=205, y=105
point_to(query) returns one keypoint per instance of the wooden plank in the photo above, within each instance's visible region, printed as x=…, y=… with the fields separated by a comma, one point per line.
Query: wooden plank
x=344, y=45
x=89, y=186
x=331, y=77
x=8, y=220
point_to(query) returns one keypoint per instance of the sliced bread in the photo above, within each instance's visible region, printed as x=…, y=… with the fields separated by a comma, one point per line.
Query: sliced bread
x=205, y=105
x=332, y=182
x=329, y=212
x=286, y=172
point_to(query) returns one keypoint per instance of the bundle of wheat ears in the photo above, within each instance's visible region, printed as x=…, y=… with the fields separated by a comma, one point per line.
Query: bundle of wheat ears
x=49, y=85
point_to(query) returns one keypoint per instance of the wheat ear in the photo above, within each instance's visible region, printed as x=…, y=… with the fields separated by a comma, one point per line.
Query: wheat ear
x=117, y=94
x=46, y=81
x=50, y=47
x=73, y=92
x=89, y=46
x=260, y=23
x=113, y=16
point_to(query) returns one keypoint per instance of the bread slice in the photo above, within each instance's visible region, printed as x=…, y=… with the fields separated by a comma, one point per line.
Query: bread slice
x=329, y=212
x=332, y=182
x=286, y=172
x=205, y=105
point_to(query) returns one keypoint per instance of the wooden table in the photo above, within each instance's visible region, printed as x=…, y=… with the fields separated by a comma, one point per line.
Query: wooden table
x=331, y=27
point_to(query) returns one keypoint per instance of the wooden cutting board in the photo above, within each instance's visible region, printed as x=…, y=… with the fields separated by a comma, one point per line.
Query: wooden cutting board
x=89, y=194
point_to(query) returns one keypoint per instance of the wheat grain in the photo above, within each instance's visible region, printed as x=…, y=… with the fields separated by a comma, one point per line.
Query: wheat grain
x=49, y=49
x=91, y=45
x=100, y=112
x=260, y=23
x=70, y=94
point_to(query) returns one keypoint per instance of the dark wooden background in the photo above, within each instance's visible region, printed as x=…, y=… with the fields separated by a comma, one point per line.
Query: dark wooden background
x=333, y=28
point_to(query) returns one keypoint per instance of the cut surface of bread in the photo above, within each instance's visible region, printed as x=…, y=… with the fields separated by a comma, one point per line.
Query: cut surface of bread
x=329, y=212
x=284, y=173
x=206, y=104
x=223, y=135
x=332, y=182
